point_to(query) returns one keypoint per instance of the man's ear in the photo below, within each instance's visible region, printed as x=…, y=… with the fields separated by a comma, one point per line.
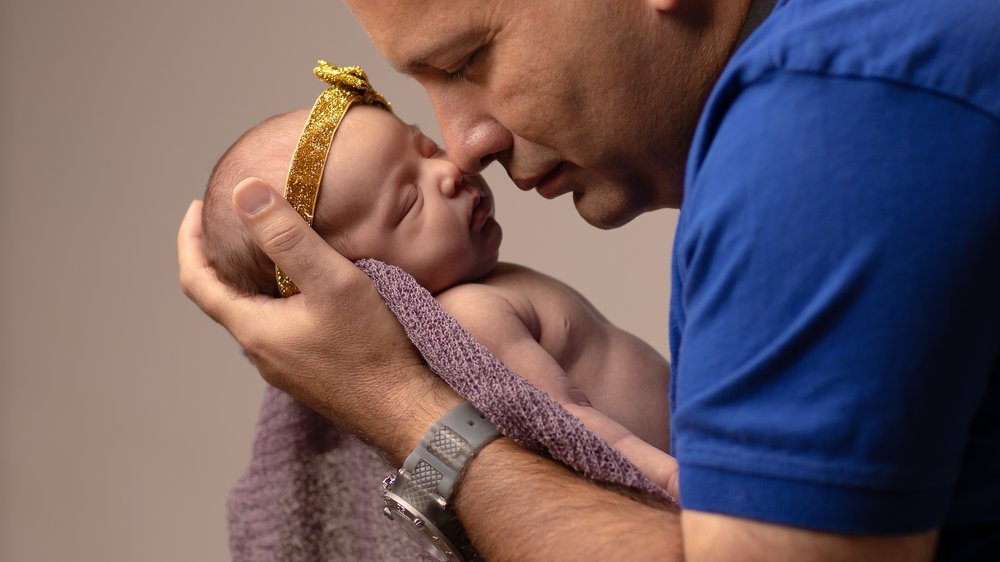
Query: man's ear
x=664, y=5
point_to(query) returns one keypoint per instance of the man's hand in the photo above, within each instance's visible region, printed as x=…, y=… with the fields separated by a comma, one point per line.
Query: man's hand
x=335, y=346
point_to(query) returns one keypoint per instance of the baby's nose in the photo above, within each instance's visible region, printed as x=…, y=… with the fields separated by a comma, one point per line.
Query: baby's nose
x=450, y=179
x=450, y=187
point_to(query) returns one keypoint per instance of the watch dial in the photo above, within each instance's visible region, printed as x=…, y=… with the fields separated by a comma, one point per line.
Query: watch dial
x=422, y=538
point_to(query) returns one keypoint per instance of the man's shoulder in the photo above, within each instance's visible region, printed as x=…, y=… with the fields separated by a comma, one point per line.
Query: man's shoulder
x=948, y=48
x=880, y=51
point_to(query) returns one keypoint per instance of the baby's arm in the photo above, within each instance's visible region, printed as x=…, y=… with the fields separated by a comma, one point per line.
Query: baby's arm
x=497, y=318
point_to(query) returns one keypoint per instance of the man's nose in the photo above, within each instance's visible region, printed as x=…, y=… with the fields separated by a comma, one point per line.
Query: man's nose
x=471, y=135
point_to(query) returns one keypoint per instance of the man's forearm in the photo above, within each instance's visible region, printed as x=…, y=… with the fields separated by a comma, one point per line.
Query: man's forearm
x=517, y=505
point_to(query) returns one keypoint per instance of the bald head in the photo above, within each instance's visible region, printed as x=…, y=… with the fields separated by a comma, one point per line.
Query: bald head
x=263, y=151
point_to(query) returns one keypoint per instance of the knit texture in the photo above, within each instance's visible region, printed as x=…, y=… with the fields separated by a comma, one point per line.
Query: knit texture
x=310, y=492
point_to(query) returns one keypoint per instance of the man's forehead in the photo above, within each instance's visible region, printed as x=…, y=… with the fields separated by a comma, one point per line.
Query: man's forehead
x=409, y=32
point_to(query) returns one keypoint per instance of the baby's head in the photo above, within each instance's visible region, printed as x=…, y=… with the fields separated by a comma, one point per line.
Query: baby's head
x=387, y=192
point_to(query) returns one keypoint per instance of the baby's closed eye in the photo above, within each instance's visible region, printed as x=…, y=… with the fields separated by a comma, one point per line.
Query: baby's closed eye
x=408, y=201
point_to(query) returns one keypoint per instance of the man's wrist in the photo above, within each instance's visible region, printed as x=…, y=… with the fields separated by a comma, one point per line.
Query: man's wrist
x=418, y=496
x=415, y=406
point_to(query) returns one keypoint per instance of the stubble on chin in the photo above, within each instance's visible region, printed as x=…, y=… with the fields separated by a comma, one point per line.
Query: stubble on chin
x=606, y=209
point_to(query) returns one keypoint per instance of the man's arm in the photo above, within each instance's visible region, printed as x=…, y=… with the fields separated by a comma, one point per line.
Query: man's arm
x=518, y=506
x=711, y=537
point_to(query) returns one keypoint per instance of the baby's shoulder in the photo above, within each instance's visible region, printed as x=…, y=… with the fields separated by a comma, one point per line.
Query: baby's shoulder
x=527, y=282
x=506, y=281
x=537, y=289
x=501, y=292
x=477, y=296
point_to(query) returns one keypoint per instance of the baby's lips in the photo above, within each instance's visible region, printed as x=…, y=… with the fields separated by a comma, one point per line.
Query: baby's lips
x=481, y=211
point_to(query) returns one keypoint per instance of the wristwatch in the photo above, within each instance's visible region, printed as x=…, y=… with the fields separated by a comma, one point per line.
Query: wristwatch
x=417, y=496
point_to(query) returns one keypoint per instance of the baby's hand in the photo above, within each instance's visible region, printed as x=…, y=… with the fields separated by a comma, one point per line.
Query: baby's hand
x=660, y=467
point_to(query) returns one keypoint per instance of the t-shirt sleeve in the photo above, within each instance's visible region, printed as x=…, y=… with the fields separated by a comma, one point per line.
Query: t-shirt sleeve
x=840, y=256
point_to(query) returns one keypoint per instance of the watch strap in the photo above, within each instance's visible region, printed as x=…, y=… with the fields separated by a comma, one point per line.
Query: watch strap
x=438, y=461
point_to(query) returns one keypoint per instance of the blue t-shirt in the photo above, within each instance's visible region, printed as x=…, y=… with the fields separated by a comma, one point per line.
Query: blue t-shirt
x=835, y=315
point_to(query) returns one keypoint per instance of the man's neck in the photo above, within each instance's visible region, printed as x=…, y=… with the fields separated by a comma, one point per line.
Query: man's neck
x=758, y=12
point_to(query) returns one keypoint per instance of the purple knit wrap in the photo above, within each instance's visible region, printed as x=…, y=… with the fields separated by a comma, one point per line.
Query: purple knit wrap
x=310, y=492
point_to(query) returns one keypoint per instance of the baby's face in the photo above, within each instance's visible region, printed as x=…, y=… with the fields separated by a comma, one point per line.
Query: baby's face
x=391, y=194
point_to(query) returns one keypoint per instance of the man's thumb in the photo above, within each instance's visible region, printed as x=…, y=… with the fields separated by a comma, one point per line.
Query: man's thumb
x=279, y=230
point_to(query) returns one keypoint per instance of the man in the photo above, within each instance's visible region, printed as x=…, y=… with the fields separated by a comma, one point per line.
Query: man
x=835, y=321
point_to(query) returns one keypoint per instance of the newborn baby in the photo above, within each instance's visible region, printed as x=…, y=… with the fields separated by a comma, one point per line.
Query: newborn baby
x=389, y=192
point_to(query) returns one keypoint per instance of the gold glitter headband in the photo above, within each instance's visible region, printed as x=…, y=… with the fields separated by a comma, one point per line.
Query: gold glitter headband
x=348, y=85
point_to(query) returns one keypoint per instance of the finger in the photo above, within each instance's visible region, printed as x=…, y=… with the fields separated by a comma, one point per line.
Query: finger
x=197, y=278
x=190, y=230
x=660, y=467
x=287, y=239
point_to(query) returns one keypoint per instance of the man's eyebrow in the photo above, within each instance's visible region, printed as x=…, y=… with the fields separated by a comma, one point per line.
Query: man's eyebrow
x=408, y=68
x=416, y=61
x=417, y=64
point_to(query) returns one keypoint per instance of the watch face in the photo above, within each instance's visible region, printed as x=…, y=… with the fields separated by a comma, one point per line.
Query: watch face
x=423, y=532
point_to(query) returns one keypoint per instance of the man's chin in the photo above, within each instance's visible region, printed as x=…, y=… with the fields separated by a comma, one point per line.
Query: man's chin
x=605, y=213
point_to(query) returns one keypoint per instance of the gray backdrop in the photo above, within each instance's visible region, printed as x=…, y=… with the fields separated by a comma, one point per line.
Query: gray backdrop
x=126, y=415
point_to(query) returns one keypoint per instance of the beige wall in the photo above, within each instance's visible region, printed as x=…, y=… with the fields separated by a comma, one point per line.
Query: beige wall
x=125, y=415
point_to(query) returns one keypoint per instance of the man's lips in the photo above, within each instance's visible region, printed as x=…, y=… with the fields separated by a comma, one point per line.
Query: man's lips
x=545, y=184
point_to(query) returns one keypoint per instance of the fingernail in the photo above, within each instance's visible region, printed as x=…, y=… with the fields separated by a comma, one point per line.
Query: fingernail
x=252, y=196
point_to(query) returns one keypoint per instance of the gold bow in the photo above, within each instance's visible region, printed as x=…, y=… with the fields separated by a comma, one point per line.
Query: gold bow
x=349, y=79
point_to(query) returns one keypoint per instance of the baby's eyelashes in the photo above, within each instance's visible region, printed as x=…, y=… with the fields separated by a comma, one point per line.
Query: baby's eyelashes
x=411, y=194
